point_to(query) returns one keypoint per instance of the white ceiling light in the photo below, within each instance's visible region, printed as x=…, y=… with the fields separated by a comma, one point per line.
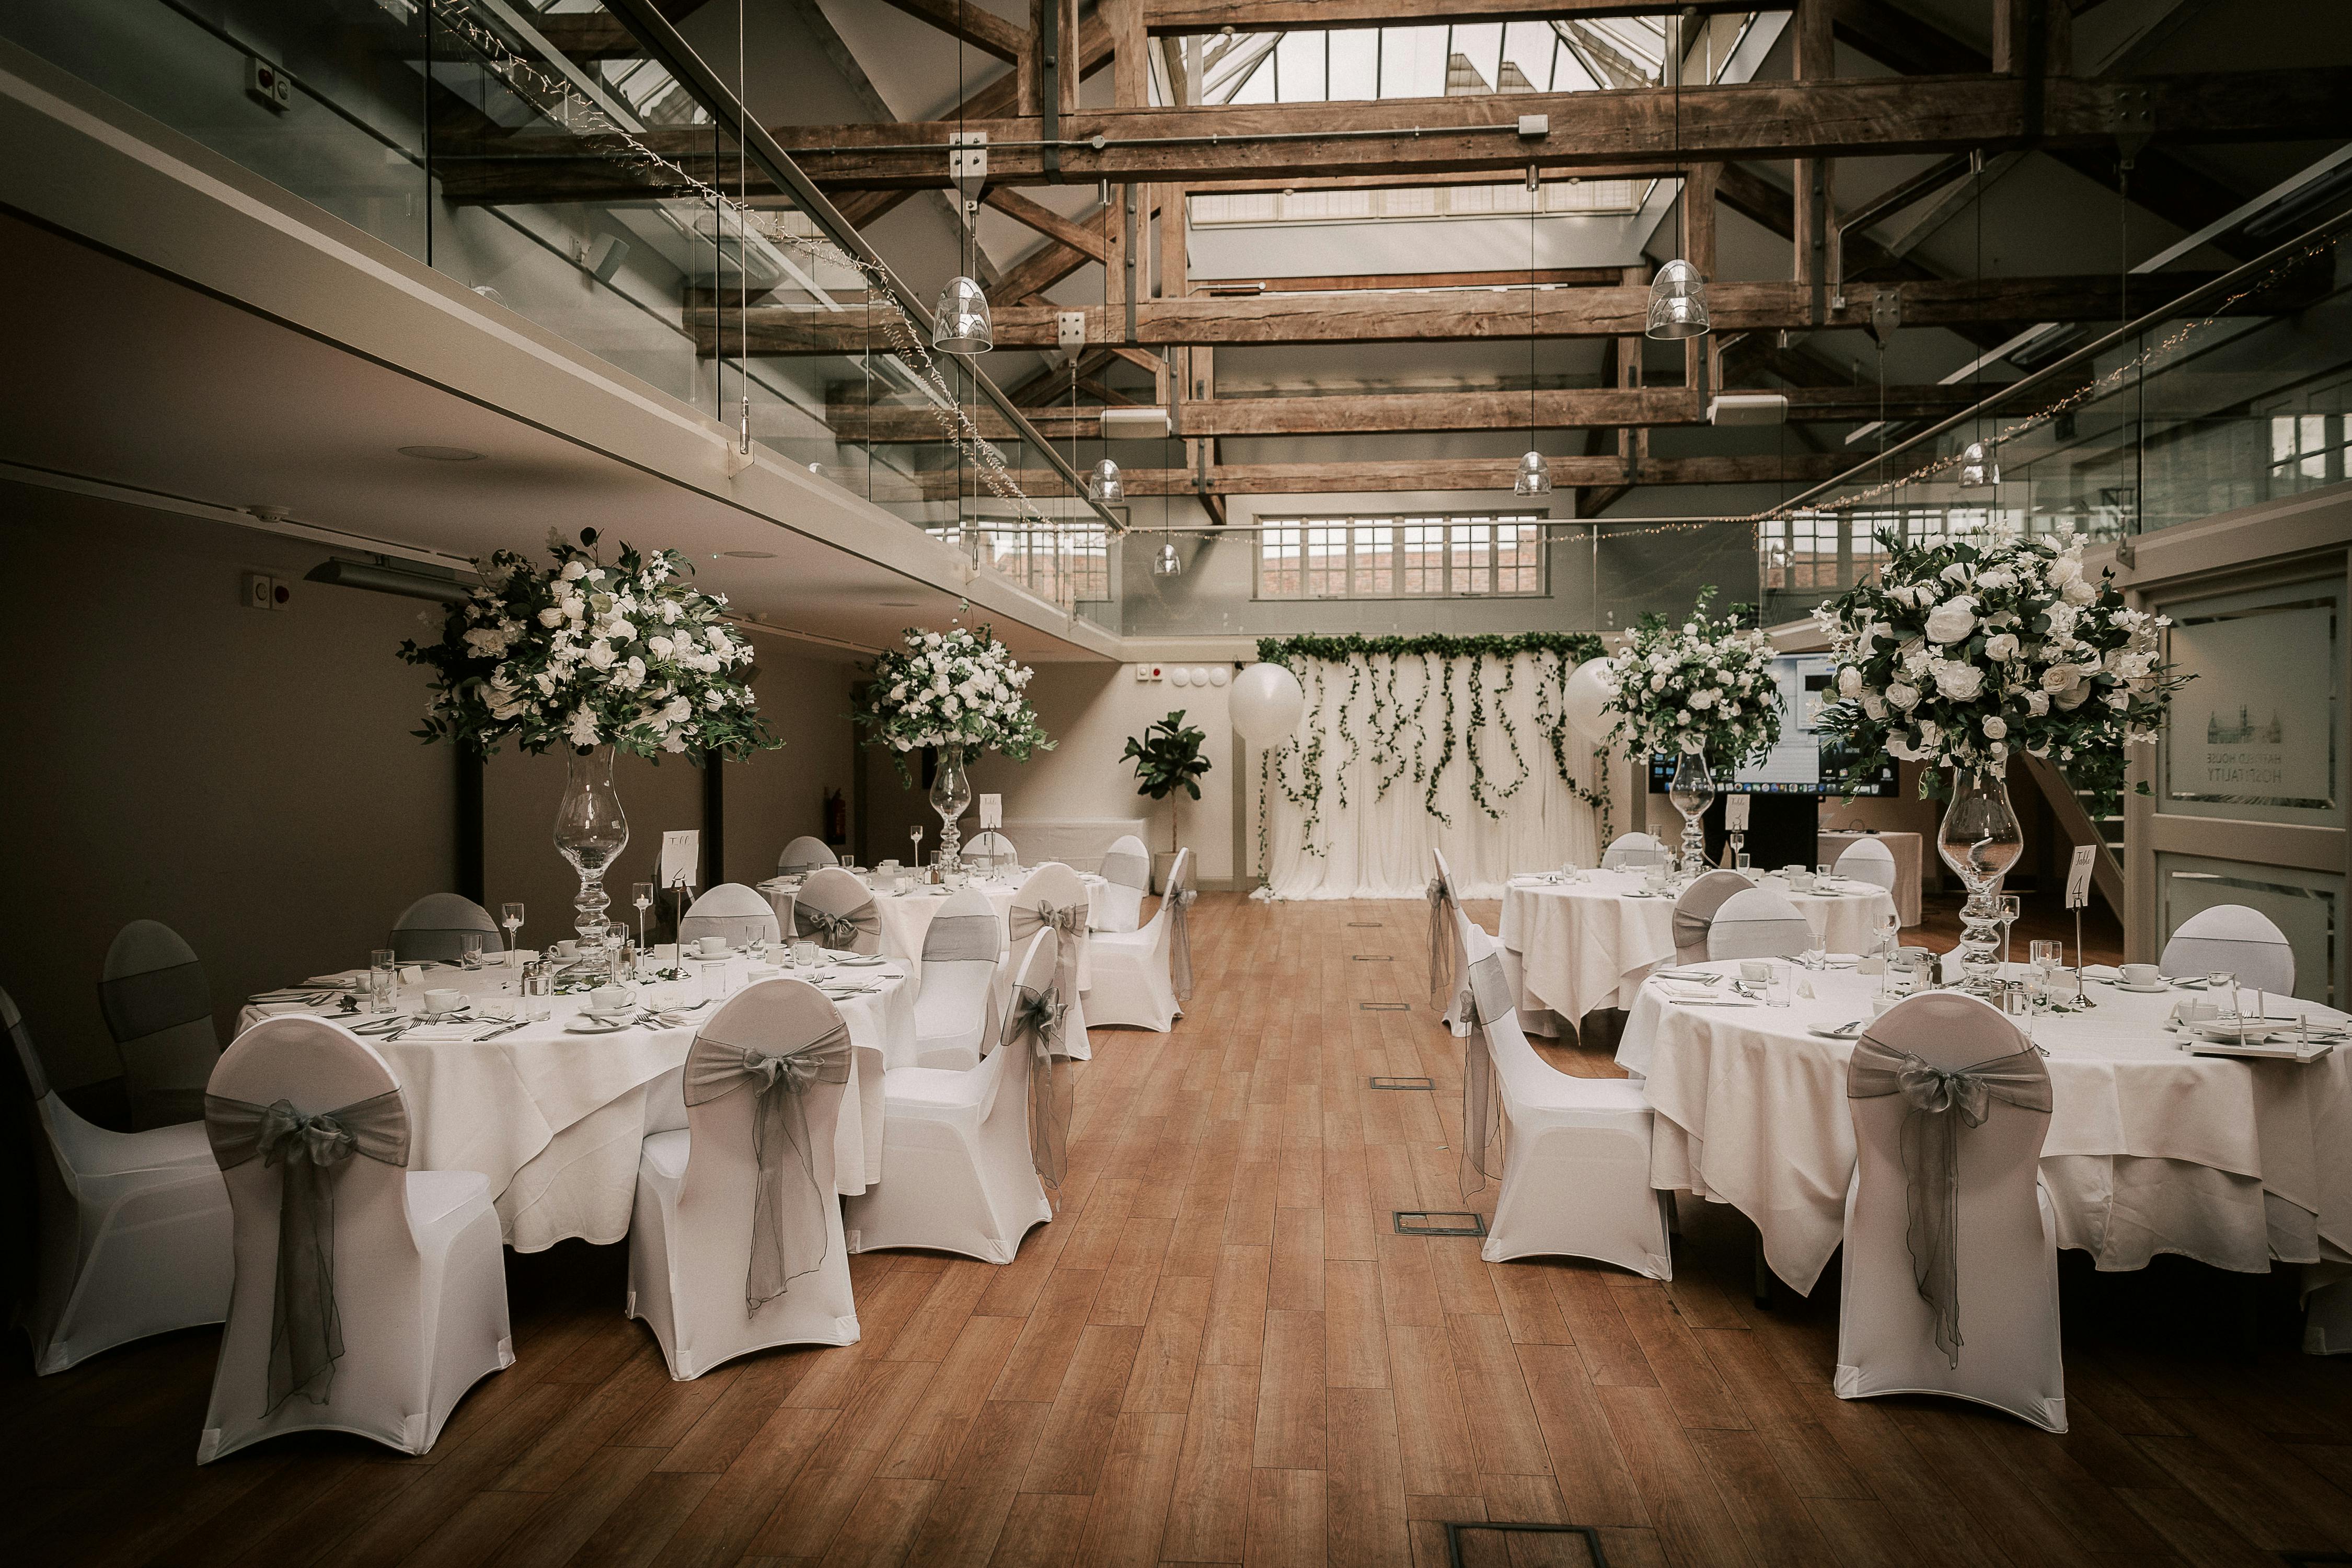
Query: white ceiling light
x=1135, y=423
x=962, y=325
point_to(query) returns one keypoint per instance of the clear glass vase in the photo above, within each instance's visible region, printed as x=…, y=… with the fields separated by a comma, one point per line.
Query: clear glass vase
x=1980, y=840
x=950, y=794
x=1692, y=792
x=591, y=831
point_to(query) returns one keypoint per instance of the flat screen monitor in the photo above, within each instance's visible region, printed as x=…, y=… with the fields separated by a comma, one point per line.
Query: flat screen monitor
x=1803, y=761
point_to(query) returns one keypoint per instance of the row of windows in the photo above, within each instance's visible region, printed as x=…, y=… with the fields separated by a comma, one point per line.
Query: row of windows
x=1402, y=558
x=1063, y=565
x=1411, y=202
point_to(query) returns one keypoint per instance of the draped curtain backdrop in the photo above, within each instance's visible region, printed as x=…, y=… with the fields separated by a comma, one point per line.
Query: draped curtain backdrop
x=1348, y=809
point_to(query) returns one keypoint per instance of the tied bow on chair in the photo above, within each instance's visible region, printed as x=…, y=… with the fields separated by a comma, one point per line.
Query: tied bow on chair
x=1441, y=958
x=836, y=930
x=1485, y=999
x=1178, y=899
x=310, y=1149
x=1069, y=928
x=1940, y=1101
x=1037, y=1015
x=779, y=1145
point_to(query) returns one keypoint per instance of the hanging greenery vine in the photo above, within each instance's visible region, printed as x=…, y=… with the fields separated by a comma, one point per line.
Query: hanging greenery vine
x=1390, y=719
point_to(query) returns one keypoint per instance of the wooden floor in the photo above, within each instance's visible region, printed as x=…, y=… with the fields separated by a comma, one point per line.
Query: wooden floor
x=1221, y=1353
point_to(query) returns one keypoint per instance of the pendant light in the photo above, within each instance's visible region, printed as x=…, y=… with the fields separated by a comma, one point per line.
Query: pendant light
x=1168, y=564
x=1678, y=294
x=1534, y=478
x=963, y=324
x=1979, y=469
x=1103, y=482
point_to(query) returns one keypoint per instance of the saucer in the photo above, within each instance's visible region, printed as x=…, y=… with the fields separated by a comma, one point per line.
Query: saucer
x=2159, y=989
x=865, y=961
x=587, y=1024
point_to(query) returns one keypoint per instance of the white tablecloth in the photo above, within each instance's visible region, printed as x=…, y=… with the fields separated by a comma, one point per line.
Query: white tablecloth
x=2150, y=1149
x=1583, y=945
x=907, y=916
x=554, y=1120
x=1907, y=849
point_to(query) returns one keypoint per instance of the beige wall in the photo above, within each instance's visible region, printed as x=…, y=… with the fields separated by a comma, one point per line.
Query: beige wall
x=250, y=777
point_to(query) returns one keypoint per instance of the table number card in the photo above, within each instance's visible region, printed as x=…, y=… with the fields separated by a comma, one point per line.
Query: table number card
x=681, y=859
x=991, y=812
x=2078, y=876
x=1734, y=813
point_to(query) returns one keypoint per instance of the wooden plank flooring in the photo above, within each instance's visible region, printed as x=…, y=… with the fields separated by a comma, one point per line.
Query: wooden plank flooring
x=1221, y=1353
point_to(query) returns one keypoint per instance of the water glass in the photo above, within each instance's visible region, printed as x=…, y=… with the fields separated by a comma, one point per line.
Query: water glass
x=384, y=966
x=807, y=955
x=2049, y=955
x=510, y=917
x=714, y=979
x=1741, y=862
x=1778, y=989
x=469, y=949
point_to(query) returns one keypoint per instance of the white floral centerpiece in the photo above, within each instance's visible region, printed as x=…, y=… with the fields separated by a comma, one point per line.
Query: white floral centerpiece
x=1703, y=686
x=959, y=692
x=628, y=655
x=1966, y=651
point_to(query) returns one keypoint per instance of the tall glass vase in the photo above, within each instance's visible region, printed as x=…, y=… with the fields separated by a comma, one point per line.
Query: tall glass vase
x=1692, y=792
x=591, y=830
x=1980, y=840
x=950, y=794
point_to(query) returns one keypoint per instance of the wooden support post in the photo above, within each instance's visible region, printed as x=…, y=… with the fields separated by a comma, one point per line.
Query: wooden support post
x=1698, y=240
x=1816, y=262
x=1029, y=68
x=1130, y=88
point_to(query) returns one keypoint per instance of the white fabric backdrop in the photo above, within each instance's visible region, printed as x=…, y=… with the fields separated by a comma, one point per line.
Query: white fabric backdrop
x=1377, y=846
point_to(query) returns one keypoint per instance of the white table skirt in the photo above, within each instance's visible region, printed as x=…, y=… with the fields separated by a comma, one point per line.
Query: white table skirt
x=555, y=1120
x=1909, y=849
x=2150, y=1149
x=1584, y=945
x=907, y=916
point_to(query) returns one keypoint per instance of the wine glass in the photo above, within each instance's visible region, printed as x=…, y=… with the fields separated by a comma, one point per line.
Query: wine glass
x=510, y=917
x=2012, y=906
x=641, y=894
x=915, y=837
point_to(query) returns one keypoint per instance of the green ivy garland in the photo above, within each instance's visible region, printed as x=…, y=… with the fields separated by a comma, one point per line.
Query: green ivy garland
x=1390, y=719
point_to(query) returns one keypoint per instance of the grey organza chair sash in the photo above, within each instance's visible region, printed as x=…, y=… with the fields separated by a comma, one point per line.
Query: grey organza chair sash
x=1178, y=899
x=1485, y=999
x=1128, y=870
x=137, y=1006
x=306, y=1330
x=1069, y=928
x=959, y=939
x=1441, y=958
x=790, y=1203
x=412, y=944
x=1035, y=1018
x=1941, y=1101
x=839, y=929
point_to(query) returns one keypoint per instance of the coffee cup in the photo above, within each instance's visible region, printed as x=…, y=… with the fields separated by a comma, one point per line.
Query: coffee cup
x=568, y=948
x=711, y=946
x=609, y=999
x=443, y=1001
x=1756, y=971
x=2141, y=975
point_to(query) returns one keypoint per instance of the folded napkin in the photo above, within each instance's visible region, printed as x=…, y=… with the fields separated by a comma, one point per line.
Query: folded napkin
x=1690, y=976
x=465, y=1029
x=345, y=977
x=2102, y=971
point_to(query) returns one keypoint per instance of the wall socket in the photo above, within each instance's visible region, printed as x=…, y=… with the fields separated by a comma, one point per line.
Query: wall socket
x=262, y=592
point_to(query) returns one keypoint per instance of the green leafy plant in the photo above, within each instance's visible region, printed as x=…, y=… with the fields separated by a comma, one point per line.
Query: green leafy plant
x=1167, y=758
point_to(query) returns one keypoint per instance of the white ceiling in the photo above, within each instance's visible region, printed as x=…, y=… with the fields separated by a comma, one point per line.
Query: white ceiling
x=129, y=378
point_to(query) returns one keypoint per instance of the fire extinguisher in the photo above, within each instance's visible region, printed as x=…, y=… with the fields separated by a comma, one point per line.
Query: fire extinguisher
x=837, y=818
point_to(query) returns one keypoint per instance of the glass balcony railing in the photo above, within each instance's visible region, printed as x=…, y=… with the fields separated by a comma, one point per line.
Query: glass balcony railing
x=2236, y=392
x=579, y=164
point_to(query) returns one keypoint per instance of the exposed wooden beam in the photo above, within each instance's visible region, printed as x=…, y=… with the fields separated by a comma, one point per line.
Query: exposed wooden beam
x=1083, y=234
x=1382, y=412
x=1552, y=313
x=1412, y=180
x=976, y=25
x=1556, y=277
x=589, y=36
x=1181, y=16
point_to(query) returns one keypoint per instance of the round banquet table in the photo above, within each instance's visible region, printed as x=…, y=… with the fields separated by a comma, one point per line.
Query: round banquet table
x=1588, y=943
x=554, y=1119
x=907, y=916
x=2150, y=1149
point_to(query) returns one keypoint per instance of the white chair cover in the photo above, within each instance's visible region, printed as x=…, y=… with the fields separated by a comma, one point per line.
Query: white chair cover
x=804, y=855
x=962, y=1175
x=1951, y=1250
x=159, y=1007
x=735, y=1244
x=835, y=908
x=1446, y=954
x=1127, y=878
x=434, y=927
x=991, y=849
x=1758, y=923
x=1868, y=860
x=2234, y=938
x=732, y=911
x=1633, y=850
x=1051, y=896
x=955, y=1015
x=130, y=1231
x=369, y=1297
x=1137, y=974
x=1585, y=1136
x=1696, y=911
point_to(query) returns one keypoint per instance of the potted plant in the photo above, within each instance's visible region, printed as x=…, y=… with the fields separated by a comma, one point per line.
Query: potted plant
x=1167, y=758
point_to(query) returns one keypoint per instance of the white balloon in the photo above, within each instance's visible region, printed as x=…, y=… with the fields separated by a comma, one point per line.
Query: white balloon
x=1581, y=701
x=1267, y=704
x=1180, y=676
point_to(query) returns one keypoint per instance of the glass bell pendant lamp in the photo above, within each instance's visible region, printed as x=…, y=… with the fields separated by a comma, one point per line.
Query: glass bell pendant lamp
x=1979, y=469
x=1677, y=303
x=1534, y=477
x=1104, y=484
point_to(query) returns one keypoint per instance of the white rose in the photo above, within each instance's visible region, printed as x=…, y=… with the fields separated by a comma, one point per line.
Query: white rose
x=2060, y=678
x=673, y=742
x=659, y=646
x=1873, y=704
x=1848, y=682
x=2081, y=591
x=2064, y=570
x=2118, y=700
x=1899, y=746
x=600, y=653
x=1959, y=682
x=1952, y=620
x=574, y=571
x=1957, y=572
x=1902, y=696
x=1996, y=728
x=2001, y=647
x=2037, y=703
x=551, y=617
x=1657, y=683
x=2073, y=697
x=1703, y=699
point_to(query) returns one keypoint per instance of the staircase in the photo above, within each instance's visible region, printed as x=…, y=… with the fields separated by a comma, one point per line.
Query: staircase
x=2072, y=809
